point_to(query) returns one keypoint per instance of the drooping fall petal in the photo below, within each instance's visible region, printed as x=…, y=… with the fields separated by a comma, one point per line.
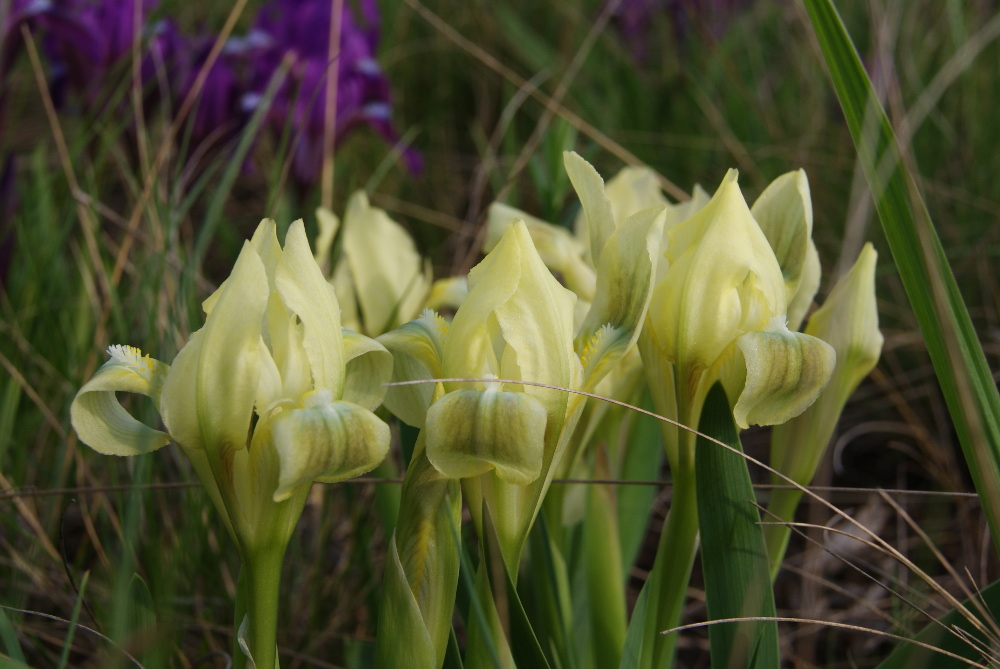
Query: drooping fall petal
x=100, y=420
x=774, y=374
x=417, y=348
x=325, y=440
x=470, y=432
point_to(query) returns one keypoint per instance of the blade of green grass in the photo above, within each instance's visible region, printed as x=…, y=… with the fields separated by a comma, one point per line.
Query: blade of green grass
x=545, y=589
x=603, y=567
x=733, y=553
x=71, y=632
x=524, y=647
x=235, y=165
x=11, y=663
x=635, y=641
x=958, y=359
x=9, y=637
x=940, y=635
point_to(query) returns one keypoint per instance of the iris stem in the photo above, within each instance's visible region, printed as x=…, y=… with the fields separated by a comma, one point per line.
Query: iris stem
x=674, y=560
x=782, y=505
x=263, y=572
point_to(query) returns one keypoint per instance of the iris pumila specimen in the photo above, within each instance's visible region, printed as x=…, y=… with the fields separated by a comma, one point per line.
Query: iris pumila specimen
x=501, y=438
x=269, y=396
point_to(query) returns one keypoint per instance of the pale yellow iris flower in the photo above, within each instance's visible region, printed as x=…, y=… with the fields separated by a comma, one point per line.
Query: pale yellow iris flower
x=267, y=397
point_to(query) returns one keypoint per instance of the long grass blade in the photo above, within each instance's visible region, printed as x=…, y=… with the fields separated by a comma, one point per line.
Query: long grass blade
x=957, y=356
x=9, y=637
x=71, y=632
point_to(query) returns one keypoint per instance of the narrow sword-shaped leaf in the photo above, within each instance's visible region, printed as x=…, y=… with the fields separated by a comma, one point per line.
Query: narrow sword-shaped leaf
x=959, y=362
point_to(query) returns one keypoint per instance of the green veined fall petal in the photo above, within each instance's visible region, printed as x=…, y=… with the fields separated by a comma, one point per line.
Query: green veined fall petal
x=470, y=432
x=325, y=440
x=775, y=373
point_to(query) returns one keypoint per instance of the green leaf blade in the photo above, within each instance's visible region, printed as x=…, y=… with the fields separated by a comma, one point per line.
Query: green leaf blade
x=733, y=555
x=957, y=356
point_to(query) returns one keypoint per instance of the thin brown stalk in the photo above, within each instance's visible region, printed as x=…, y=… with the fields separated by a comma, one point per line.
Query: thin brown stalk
x=87, y=223
x=489, y=159
x=33, y=395
x=166, y=143
x=330, y=111
x=28, y=514
x=983, y=611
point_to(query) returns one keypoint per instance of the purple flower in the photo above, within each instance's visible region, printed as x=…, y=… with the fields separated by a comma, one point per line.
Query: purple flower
x=300, y=29
x=13, y=15
x=86, y=39
x=635, y=18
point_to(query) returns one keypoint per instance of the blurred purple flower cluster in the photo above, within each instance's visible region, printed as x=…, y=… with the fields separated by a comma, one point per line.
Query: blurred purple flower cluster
x=88, y=43
x=635, y=19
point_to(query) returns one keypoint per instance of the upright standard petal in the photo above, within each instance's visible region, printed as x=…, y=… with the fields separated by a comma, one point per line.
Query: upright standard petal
x=389, y=275
x=560, y=250
x=627, y=272
x=472, y=352
x=536, y=326
x=101, y=422
x=784, y=213
x=848, y=321
x=589, y=186
x=309, y=296
x=209, y=394
x=723, y=281
x=632, y=190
